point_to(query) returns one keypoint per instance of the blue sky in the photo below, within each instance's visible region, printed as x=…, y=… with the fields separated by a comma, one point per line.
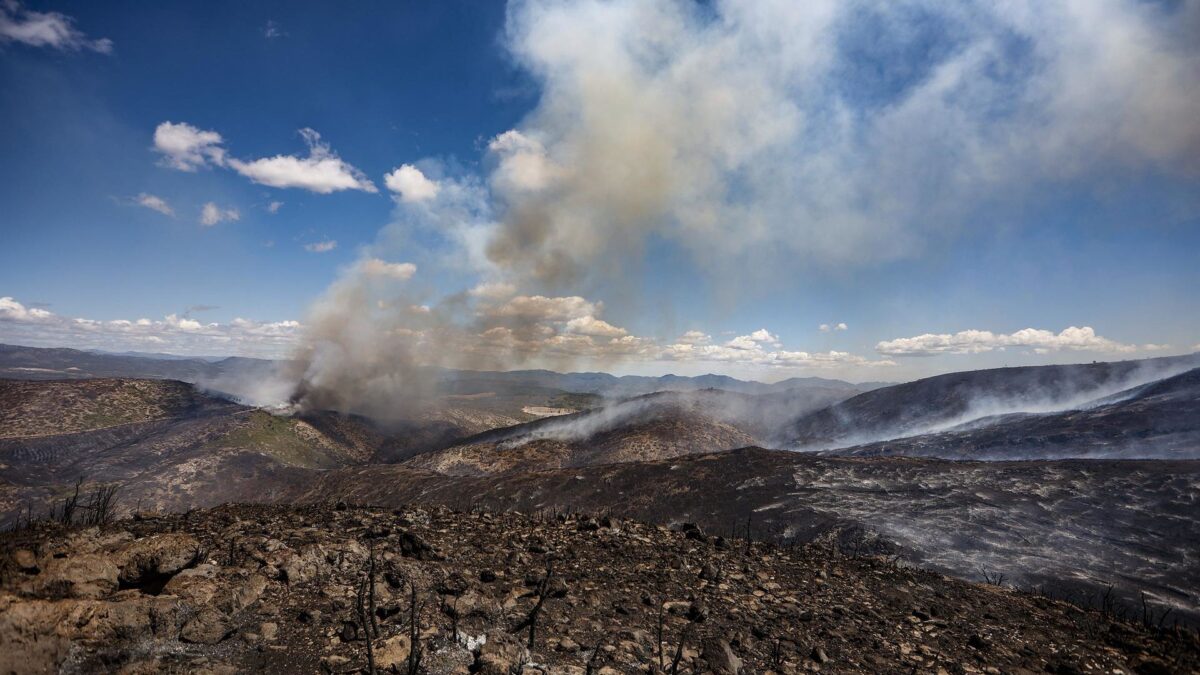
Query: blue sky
x=710, y=184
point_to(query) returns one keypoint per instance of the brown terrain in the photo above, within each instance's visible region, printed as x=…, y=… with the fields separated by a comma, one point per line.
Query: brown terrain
x=342, y=589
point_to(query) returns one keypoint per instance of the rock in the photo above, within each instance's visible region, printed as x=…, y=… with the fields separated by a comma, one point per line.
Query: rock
x=720, y=657
x=500, y=654
x=83, y=576
x=697, y=612
x=197, y=585
x=487, y=576
x=309, y=616
x=303, y=566
x=392, y=653
x=692, y=531
x=269, y=630
x=25, y=561
x=208, y=627
x=333, y=663
x=147, y=560
x=709, y=572
x=241, y=594
x=979, y=642
x=412, y=546
x=557, y=588
x=819, y=655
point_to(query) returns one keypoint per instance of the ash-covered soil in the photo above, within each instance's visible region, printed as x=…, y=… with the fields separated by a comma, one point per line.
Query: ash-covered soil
x=1073, y=527
x=277, y=589
x=1159, y=420
x=937, y=403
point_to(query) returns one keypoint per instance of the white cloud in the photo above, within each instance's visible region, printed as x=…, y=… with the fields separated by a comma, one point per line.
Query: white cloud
x=186, y=148
x=544, y=308
x=322, y=171
x=179, y=323
x=493, y=290
x=324, y=246
x=272, y=30
x=12, y=310
x=374, y=267
x=274, y=207
x=45, y=29
x=694, y=337
x=155, y=203
x=590, y=325
x=211, y=214
x=979, y=341
x=750, y=353
x=175, y=333
x=827, y=328
x=410, y=184
x=751, y=341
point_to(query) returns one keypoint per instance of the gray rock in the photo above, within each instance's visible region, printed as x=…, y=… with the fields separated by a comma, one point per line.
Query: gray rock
x=206, y=628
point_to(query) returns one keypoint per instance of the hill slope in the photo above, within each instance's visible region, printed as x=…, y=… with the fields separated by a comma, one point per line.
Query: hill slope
x=936, y=403
x=1159, y=420
x=642, y=428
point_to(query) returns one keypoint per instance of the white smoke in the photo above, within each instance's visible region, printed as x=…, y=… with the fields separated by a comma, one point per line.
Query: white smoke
x=757, y=137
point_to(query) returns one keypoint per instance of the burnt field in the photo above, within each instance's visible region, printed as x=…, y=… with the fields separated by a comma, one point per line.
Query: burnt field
x=1068, y=527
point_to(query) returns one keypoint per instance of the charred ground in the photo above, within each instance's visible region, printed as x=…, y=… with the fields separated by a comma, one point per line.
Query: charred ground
x=284, y=589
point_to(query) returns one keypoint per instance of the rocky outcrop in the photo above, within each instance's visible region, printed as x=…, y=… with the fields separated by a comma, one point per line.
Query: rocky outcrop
x=285, y=589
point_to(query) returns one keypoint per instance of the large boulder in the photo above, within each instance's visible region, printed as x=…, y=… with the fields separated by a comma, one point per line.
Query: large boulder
x=156, y=558
x=228, y=591
x=82, y=576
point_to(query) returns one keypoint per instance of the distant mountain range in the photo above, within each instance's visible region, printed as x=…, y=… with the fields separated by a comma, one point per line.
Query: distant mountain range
x=57, y=363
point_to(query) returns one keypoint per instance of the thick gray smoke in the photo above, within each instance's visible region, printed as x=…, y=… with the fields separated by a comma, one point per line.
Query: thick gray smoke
x=754, y=137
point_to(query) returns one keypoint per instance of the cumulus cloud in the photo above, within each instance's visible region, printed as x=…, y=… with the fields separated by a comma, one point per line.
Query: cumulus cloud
x=155, y=203
x=590, y=325
x=374, y=267
x=11, y=310
x=828, y=328
x=322, y=171
x=211, y=214
x=979, y=341
x=186, y=148
x=176, y=333
x=274, y=207
x=694, y=337
x=323, y=246
x=547, y=308
x=410, y=184
x=45, y=29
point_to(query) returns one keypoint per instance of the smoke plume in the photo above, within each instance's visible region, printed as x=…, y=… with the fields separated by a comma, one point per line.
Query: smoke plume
x=753, y=138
